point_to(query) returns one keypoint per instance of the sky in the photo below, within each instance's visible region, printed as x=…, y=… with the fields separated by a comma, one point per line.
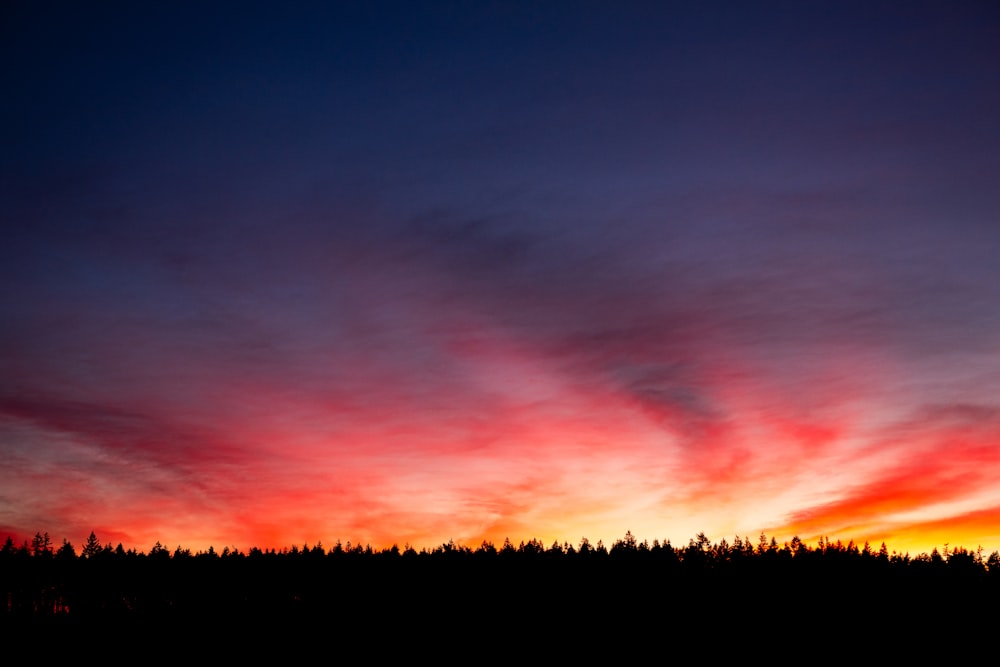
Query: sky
x=282, y=273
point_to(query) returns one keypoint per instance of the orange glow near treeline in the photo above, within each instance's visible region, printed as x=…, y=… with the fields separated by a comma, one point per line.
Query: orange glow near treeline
x=558, y=461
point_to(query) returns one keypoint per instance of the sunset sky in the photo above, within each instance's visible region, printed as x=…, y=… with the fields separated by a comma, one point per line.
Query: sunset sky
x=388, y=274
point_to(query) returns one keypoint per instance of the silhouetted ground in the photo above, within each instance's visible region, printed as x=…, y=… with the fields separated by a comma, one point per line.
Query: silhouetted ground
x=704, y=599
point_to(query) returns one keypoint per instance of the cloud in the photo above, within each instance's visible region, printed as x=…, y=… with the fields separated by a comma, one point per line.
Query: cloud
x=941, y=455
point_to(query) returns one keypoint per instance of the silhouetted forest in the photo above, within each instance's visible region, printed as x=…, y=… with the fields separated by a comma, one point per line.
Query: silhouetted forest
x=517, y=595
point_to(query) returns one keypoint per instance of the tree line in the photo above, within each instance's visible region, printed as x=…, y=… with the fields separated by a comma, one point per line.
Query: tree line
x=743, y=587
x=699, y=551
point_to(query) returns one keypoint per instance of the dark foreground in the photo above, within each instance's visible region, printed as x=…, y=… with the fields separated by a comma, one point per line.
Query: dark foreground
x=705, y=598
